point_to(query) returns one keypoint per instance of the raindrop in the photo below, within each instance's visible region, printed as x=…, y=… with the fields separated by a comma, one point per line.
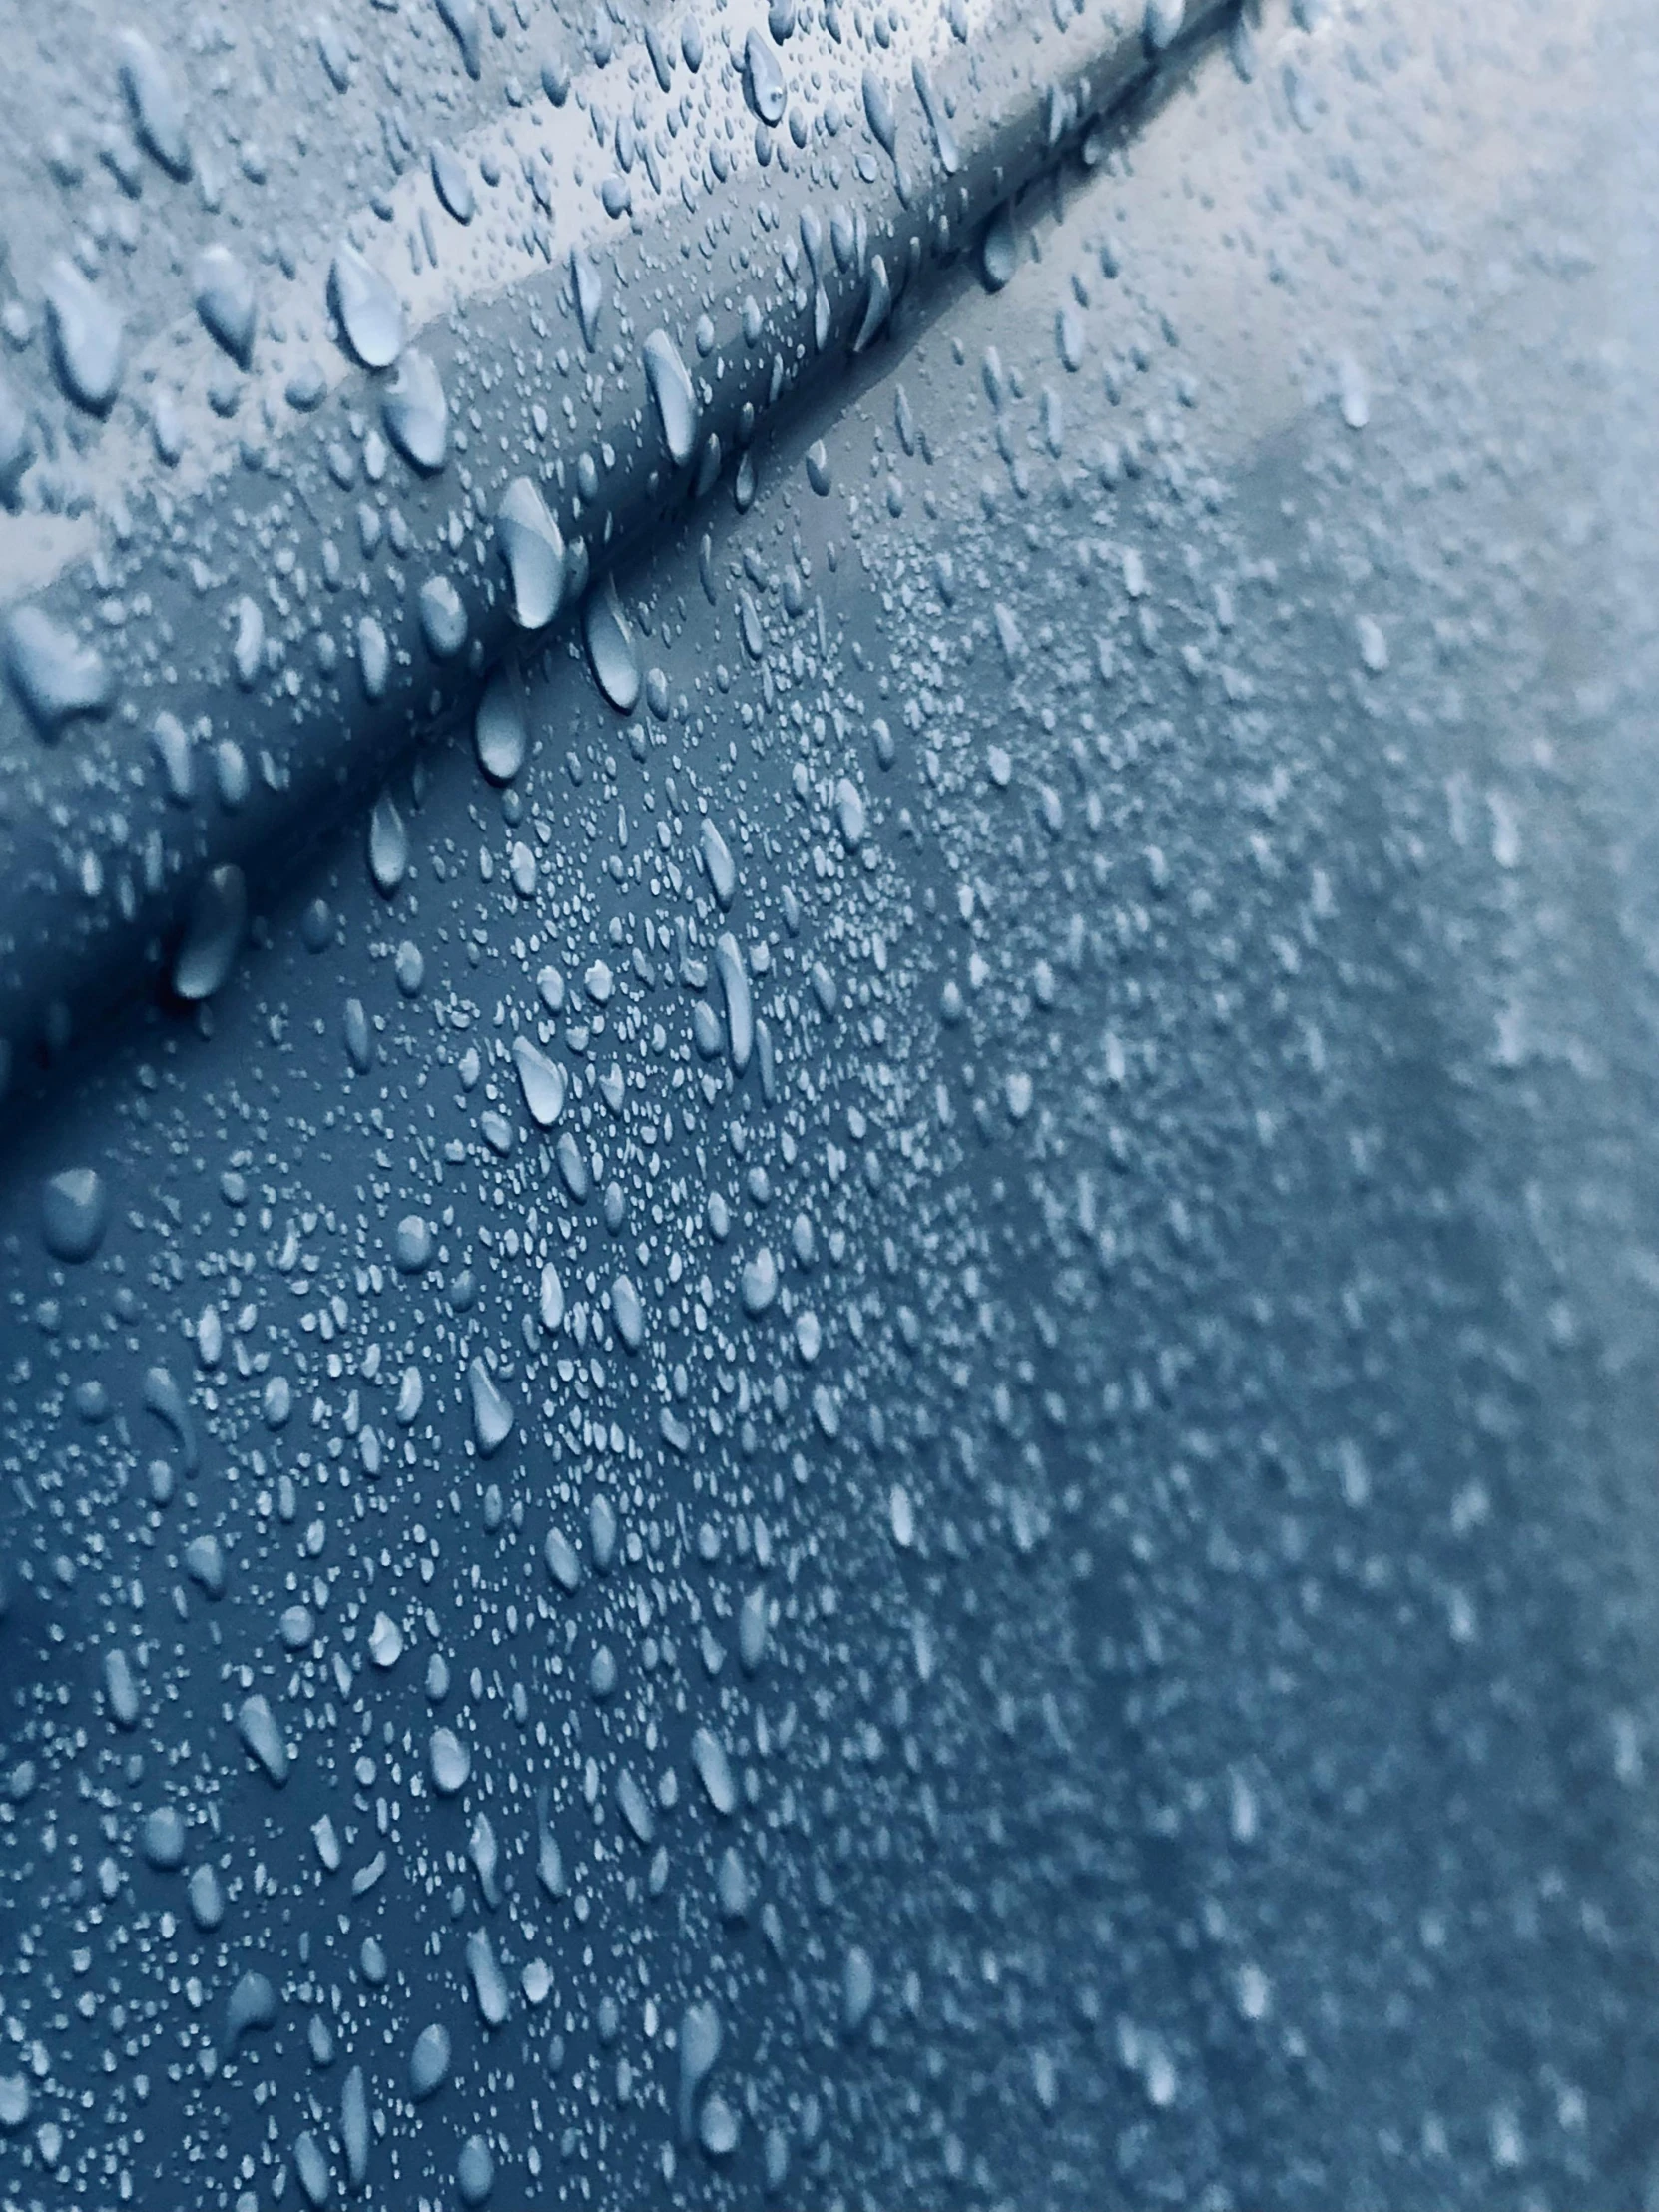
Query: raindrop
x=713, y=1771
x=879, y=111
x=213, y=935
x=534, y=553
x=416, y=414
x=87, y=338
x=676, y=398
x=154, y=103
x=627, y=1312
x=610, y=647
x=369, y=311
x=499, y=731
x=388, y=846
x=451, y=1762
x=225, y=301
x=589, y=287
x=452, y=182
x=54, y=674
x=740, y=1015
x=543, y=1083
x=386, y=1641
x=492, y=1415
x=74, y=1214
x=999, y=249
x=429, y=2061
x=442, y=618
x=762, y=80
x=258, y=1726
x=717, y=858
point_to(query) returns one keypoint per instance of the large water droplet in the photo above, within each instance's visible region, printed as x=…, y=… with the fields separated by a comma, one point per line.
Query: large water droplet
x=717, y=858
x=999, y=249
x=492, y=1415
x=763, y=79
x=416, y=414
x=53, y=673
x=258, y=1726
x=499, y=731
x=225, y=302
x=87, y=338
x=589, y=289
x=452, y=182
x=429, y=2060
x=388, y=846
x=155, y=103
x=74, y=1214
x=542, y=1081
x=879, y=111
x=675, y=398
x=534, y=552
x=218, y=917
x=369, y=311
x=740, y=1013
x=610, y=647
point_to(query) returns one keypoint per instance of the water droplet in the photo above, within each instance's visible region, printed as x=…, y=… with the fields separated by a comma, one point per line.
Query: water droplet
x=739, y=1014
x=258, y=1726
x=74, y=1214
x=388, y=846
x=492, y=1415
x=416, y=414
x=543, y=1083
x=627, y=1312
x=213, y=935
x=251, y=2007
x=879, y=111
x=154, y=103
x=610, y=647
x=429, y=2060
x=717, y=858
x=369, y=311
x=589, y=287
x=1161, y=23
x=817, y=467
x=857, y=1989
x=451, y=1762
x=225, y=302
x=54, y=674
x=999, y=249
x=386, y=1641
x=88, y=341
x=713, y=1771
x=452, y=182
x=475, y=2171
x=763, y=79
x=675, y=398
x=442, y=618
x=534, y=552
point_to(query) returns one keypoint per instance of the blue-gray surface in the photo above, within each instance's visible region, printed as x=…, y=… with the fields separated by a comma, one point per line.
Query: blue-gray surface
x=864, y=1408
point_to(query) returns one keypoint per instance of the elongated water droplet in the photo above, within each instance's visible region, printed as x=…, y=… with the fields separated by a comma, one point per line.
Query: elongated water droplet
x=154, y=103
x=610, y=647
x=675, y=394
x=88, y=346
x=452, y=182
x=740, y=1013
x=388, y=846
x=416, y=414
x=542, y=1081
x=492, y=1415
x=258, y=1726
x=217, y=917
x=369, y=311
x=225, y=302
x=763, y=79
x=534, y=552
x=589, y=289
